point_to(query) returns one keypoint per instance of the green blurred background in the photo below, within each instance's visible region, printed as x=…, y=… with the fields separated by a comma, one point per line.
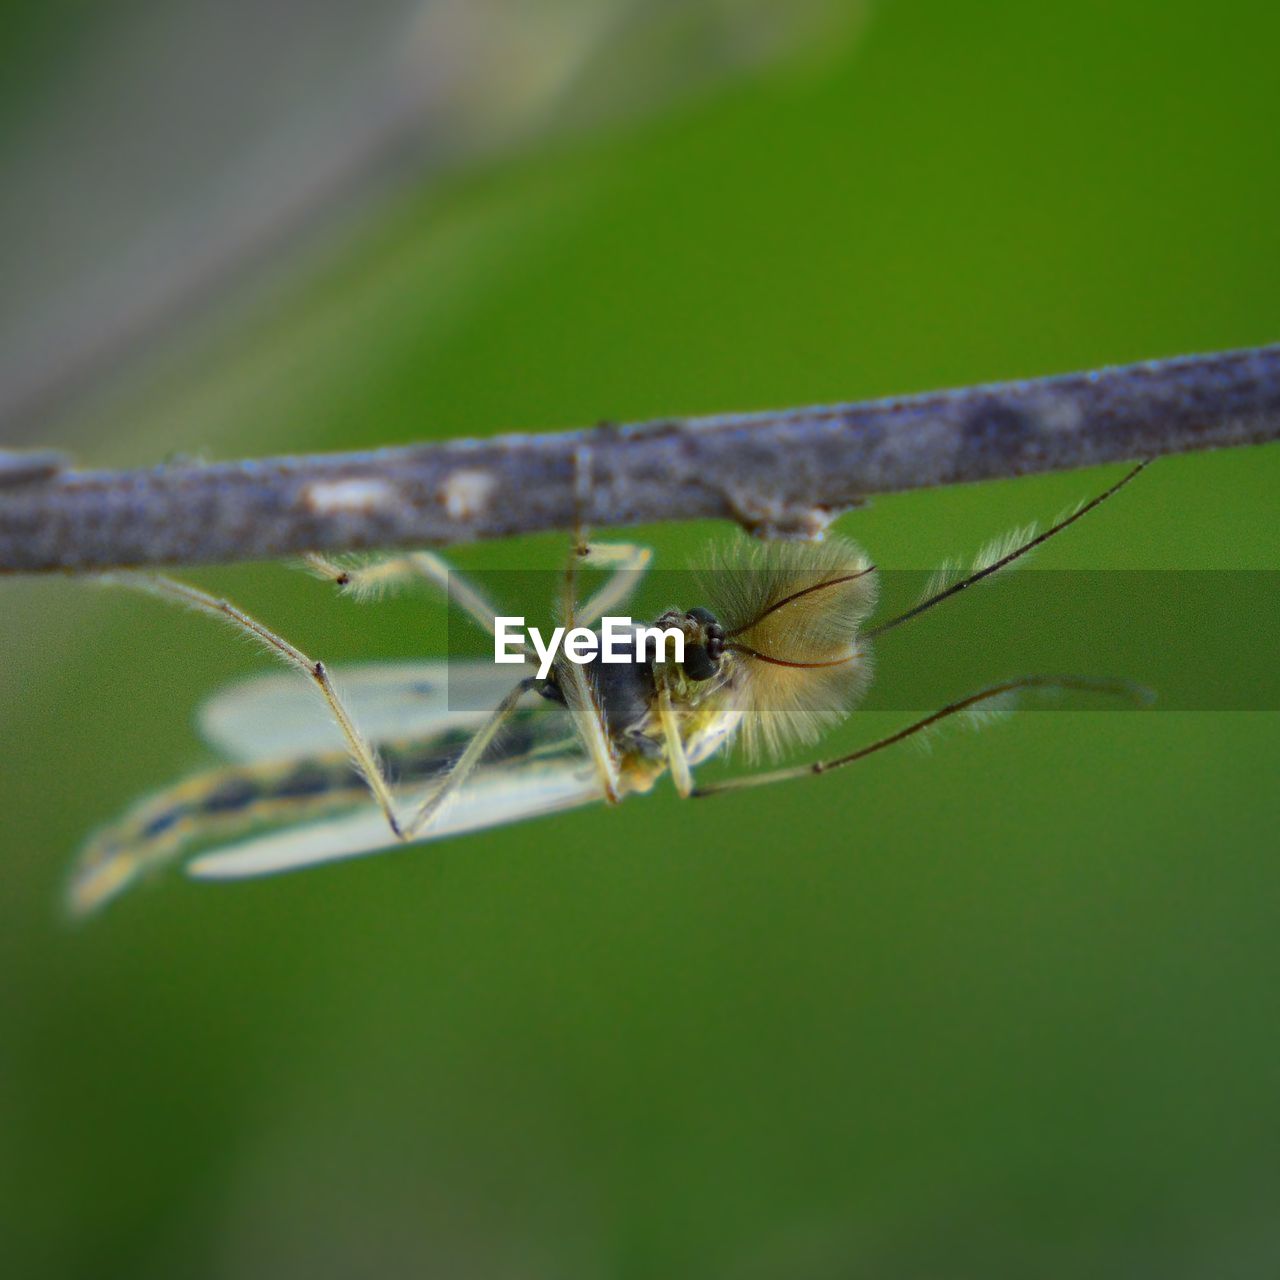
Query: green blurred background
x=1009, y=1009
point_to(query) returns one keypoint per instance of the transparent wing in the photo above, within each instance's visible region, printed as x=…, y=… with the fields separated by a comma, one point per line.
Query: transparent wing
x=494, y=797
x=276, y=716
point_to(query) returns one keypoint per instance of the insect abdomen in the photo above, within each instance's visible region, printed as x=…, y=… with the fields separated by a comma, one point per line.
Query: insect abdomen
x=217, y=804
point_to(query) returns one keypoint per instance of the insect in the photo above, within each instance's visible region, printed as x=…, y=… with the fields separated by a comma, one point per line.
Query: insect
x=777, y=653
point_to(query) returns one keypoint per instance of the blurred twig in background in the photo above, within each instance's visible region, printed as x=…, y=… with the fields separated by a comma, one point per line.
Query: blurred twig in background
x=783, y=473
x=144, y=190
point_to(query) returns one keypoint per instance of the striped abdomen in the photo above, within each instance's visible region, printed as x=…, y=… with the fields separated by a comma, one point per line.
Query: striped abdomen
x=229, y=802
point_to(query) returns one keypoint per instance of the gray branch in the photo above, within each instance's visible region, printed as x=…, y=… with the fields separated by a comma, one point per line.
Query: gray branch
x=784, y=473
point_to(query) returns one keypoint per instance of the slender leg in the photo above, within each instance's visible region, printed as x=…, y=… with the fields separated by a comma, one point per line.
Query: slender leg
x=628, y=563
x=367, y=580
x=579, y=697
x=677, y=760
x=588, y=720
x=466, y=763
x=1120, y=688
x=362, y=753
x=579, y=550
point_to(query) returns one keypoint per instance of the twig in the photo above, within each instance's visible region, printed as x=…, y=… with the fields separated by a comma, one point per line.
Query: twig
x=783, y=473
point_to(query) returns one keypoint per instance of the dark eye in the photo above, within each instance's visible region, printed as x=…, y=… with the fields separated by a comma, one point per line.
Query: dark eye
x=698, y=663
x=715, y=642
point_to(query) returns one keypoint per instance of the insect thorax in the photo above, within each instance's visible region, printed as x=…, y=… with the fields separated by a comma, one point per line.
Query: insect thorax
x=626, y=692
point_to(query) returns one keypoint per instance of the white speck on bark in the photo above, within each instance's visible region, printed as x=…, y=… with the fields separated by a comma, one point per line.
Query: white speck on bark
x=334, y=497
x=465, y=494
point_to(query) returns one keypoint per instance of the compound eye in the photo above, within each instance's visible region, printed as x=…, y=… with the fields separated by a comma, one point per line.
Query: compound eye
x=698, y=663
x=715, y=641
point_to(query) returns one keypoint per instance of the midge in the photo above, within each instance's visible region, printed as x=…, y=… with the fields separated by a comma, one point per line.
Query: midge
x=777, y=653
